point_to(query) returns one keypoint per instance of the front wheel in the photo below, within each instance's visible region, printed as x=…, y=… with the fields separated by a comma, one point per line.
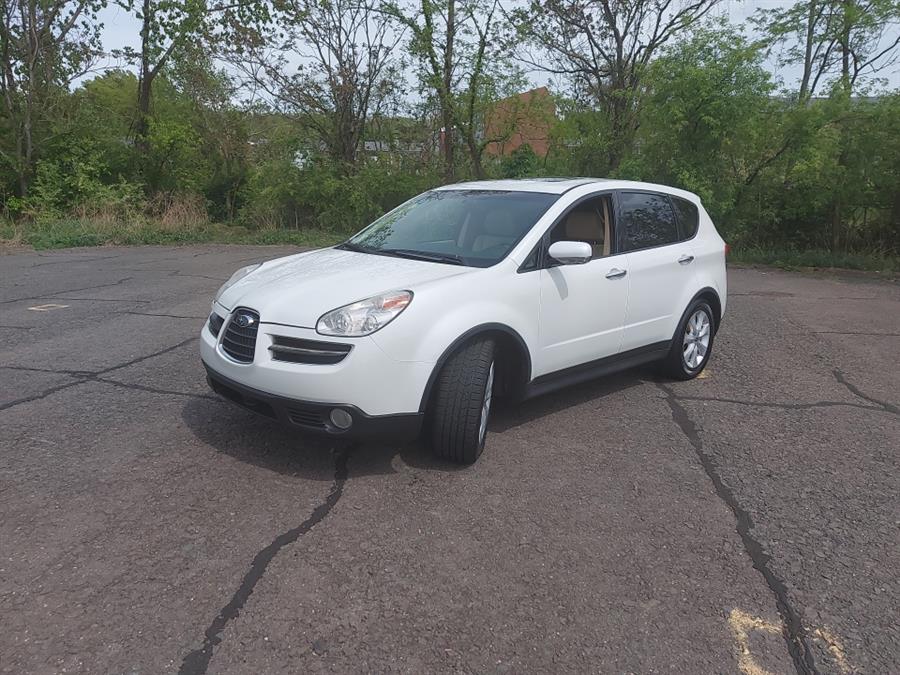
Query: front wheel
x=692, y=344
x=462, y=403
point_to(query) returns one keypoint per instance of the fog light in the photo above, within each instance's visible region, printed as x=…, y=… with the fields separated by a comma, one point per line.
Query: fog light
x=341, y=418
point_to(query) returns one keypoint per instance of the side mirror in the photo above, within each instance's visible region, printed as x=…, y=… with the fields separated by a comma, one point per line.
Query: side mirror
x=571, y=252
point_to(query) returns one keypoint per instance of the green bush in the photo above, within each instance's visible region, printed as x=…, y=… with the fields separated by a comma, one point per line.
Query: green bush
x=520, y=163
x=72, y=183
x=323, y=195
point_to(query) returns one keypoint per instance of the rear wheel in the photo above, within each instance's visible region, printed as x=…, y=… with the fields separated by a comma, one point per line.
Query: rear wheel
x=692, y=344
x=462, y=403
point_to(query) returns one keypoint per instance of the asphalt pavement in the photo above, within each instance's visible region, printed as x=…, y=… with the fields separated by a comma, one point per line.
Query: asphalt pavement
x=747, y=521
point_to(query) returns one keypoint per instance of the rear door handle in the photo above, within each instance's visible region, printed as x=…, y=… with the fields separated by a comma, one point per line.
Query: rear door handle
x=685, y=259
x=616, y=273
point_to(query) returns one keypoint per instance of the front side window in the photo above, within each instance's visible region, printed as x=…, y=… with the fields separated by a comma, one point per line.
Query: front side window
x=688, y=217
x=466, y=227
x=647, y=220
x=590, y=222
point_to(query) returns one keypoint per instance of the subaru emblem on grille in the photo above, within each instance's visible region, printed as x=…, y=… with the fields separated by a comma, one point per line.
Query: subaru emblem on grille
x=245, y=320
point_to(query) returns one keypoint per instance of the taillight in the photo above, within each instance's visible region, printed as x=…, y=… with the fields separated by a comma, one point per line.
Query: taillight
x=727, y=249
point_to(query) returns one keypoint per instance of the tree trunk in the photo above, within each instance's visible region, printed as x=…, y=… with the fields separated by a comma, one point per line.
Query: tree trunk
x=145, y=84
x=21, y=177
x=447, y=93
x=893, y=234
x=808, y=50
x=25, y=150
x=142, y=127
x=846, y=25
x=27, y=155
x=836, y=225
x=475, y=151
x=619, y=132
x=846, y=90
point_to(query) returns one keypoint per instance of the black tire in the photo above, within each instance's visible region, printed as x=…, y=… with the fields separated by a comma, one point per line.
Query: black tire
x=675, y=365
x=456, y=433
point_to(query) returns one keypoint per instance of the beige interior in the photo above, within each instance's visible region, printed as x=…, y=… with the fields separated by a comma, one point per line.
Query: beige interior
x=607, y=234
x=589, y=226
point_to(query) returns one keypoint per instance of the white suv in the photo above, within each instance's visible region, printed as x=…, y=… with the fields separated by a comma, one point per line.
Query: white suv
x=467, y=292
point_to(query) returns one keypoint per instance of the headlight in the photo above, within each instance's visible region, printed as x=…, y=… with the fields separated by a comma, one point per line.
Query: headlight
x=364, y=317
x=236, y=277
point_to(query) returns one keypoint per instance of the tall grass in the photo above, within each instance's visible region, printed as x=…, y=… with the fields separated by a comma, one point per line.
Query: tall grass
x=186, y=225
x=74, y=232
x=870, y=261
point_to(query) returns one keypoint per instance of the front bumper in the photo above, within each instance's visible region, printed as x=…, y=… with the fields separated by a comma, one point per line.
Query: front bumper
x=367, y=378
x=313, y=416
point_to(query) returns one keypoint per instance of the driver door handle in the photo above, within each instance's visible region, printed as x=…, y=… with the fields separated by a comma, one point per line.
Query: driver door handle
x=616, y=273
x=685, y=259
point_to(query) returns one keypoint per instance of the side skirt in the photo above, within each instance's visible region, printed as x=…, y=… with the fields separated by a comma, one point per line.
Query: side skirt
x=594, y=369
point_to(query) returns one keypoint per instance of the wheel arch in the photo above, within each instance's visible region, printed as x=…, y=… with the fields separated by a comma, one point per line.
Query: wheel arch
x=712, y=297
x=515, y=355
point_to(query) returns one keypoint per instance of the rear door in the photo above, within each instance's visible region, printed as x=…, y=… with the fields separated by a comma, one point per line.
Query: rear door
x=582, y=306
x=660, y=266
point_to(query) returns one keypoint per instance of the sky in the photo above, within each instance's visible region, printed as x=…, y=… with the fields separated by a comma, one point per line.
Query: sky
x=121, y=30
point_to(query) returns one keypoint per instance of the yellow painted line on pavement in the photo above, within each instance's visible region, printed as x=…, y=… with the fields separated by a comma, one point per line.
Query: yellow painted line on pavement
x=833, y=645
x=741, y=625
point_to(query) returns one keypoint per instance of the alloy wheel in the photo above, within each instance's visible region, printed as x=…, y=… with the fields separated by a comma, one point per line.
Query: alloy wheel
x=696, y=339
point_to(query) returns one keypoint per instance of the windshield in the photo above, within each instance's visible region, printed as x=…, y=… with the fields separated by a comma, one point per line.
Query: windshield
x=464, y=227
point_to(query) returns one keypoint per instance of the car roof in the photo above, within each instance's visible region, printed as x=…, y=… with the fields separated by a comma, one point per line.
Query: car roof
x=560, y=185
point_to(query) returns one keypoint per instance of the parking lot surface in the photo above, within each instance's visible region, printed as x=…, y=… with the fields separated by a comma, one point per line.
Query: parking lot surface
x=747, y=521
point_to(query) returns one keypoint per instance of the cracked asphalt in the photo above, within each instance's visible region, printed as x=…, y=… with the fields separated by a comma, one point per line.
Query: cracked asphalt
x=746, y=522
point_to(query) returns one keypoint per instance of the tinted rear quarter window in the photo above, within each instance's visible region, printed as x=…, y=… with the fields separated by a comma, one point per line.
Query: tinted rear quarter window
x=688, y=217
x=647, y=220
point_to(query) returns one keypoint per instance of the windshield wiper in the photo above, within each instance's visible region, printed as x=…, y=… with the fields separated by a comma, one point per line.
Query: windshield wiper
x=431, y=256
x=349, y=246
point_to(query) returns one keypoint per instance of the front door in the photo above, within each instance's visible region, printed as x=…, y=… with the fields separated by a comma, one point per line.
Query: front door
x=583, y=306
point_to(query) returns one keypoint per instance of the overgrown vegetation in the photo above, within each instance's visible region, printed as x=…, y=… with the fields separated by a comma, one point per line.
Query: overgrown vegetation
x=301, y=122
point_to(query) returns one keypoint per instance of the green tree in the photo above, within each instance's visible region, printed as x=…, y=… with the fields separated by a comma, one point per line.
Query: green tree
x=602, y=50
x=44, y=46
x=520, y=163
x=170, y=25
x=222, y=127
x=845, y=44
x=847, y=41
x=708, y=122
x=463, y=66
x=330, y=65
x=103, y=114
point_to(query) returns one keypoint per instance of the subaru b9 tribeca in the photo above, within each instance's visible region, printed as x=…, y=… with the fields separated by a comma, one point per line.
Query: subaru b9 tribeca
x=468, y=293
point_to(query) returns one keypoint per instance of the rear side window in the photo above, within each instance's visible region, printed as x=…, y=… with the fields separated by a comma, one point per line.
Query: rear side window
x=647, y=221
x=688, y=217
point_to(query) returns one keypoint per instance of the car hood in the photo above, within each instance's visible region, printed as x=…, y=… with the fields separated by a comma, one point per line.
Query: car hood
x=297, y=290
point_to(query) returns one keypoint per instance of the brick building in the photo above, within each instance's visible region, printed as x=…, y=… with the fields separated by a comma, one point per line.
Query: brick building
x=524, y=118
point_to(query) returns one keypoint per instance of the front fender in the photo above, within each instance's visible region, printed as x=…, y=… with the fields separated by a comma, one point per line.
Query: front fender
x=445, y=313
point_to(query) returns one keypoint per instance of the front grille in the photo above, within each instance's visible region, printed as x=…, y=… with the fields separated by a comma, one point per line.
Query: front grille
x=239, y=342
x=297, y=350
x=306, y=416
x=215, y=324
